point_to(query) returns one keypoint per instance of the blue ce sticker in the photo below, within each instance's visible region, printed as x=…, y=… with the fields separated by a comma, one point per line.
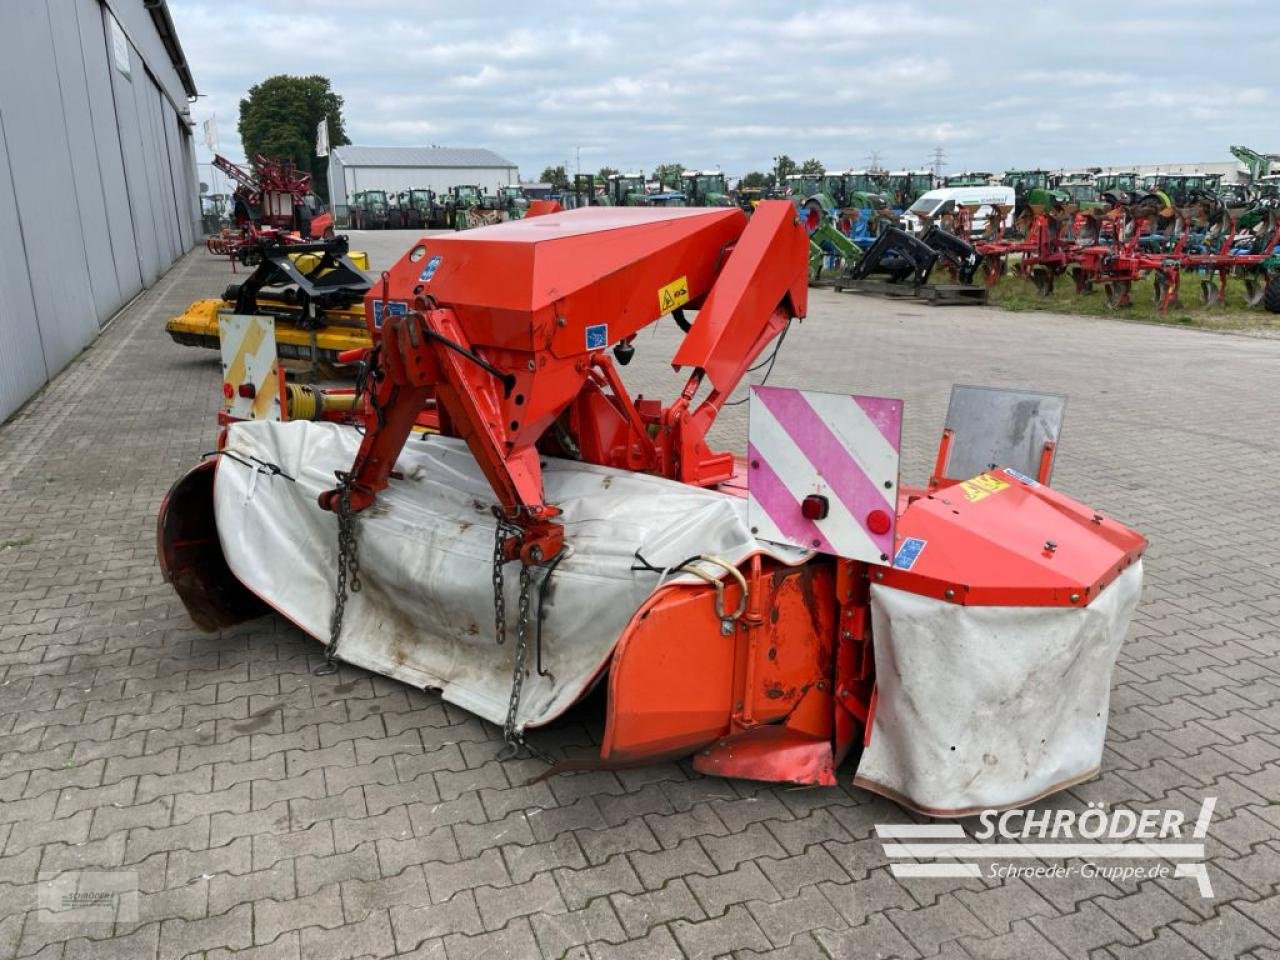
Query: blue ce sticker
x=907, y=554
x=394, y=308
x=597, y=336
x=430, y=269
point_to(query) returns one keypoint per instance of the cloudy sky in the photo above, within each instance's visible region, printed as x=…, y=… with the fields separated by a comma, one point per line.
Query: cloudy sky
x=634, y=84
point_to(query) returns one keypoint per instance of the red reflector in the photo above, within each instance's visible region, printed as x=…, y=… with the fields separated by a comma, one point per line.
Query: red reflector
x=228, y=391
x=814, y=507
x=878, y=521
x=247, y=390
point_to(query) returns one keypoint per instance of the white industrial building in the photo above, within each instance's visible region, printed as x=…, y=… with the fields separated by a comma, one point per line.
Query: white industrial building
x=353, y=169
x=98, y=190
x=1231, y=171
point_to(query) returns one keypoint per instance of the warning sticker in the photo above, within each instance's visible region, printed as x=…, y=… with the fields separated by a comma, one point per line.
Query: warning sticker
x=909, y=552
x=674, y=295
x=597, y=336
x=982, y=486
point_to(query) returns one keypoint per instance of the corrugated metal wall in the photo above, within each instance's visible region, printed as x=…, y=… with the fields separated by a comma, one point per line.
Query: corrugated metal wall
x=98, y=190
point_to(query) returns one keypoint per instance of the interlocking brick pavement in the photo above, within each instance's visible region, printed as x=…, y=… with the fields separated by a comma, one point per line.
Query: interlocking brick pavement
x=269, y=813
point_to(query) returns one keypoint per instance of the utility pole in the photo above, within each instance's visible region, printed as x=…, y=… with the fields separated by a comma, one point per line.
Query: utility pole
x=939, y=161
x=577, y=160
x=873, y=158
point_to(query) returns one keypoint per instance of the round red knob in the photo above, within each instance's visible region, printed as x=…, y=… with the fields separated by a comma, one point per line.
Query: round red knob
x=228, y=391
x=878, y=521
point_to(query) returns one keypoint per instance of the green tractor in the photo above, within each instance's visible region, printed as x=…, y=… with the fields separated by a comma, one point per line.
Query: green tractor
x=905, y=187
x=626, y=190
x=1081, y=189
x=589, y=191
x=1032, y=191
x=1181, y=187
x=1126, y=182
x=512, y=200
x=370, y=210
x=419, y=210
x=705, y=188
x=970, y=178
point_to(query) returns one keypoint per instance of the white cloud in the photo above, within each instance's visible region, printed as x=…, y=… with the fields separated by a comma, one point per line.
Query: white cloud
x=640, y=82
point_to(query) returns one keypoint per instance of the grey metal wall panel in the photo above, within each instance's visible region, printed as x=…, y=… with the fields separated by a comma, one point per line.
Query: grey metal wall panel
x=94, y=235
x=22, y=369
x=106, y=146
x=132, y=15
x=40, y=163
x=145, y=94
x=173, y=138
x=145, y=229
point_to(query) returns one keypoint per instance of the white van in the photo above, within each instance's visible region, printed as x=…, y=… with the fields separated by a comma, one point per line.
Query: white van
x=981, y=200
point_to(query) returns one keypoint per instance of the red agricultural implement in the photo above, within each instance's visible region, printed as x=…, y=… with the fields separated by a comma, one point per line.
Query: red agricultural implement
x=769, y=614
x=274, y=201
x=1137, y=238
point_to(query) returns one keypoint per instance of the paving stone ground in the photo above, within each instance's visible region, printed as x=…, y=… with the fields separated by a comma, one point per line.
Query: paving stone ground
x=262, y=812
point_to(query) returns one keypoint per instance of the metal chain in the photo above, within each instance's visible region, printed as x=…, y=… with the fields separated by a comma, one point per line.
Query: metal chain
x=513, y=740
x=348, y=571
x=503, y=530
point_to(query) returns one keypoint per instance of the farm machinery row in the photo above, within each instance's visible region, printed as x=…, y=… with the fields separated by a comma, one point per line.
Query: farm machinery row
x=459, y=208
x=1124, y=238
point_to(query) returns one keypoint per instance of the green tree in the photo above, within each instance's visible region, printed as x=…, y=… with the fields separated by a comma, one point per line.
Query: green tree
x=556, y=176
x=812, y=168
x=607, y=172
x=279, y=118
x=783, y=167
x=757, y=179
x=668, y=174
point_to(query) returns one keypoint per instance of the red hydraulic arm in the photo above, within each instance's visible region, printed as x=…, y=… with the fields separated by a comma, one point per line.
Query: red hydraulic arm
x=516, y=361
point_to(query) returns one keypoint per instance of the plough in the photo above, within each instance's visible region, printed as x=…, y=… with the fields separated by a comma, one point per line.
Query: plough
x=769, y=615
x=1133, y=238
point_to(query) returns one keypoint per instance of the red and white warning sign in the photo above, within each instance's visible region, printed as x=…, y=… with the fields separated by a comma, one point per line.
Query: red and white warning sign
x=823, y=471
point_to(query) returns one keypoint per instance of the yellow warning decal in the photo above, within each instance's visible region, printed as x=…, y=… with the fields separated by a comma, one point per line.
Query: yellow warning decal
x=674, y=295
x=983, y=485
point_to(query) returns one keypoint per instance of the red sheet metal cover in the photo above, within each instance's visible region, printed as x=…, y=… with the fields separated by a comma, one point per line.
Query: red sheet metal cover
x=511, y=283
x=1002, y=539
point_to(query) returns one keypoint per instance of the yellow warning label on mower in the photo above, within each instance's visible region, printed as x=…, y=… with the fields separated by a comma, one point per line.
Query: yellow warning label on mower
x=983, y=485
x=674, y=295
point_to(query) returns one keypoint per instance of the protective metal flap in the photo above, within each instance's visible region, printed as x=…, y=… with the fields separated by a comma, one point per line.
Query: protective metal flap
x=995, y=427
x=823, y=471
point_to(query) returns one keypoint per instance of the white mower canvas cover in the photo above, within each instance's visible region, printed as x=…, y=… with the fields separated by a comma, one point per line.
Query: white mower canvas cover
x=949, y=675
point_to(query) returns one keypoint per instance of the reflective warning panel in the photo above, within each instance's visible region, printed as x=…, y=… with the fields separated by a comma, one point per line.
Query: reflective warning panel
x=822, y=471
x=251, y=384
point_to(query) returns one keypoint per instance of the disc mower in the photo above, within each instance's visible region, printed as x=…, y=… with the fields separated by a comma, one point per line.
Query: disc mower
x=494, y=516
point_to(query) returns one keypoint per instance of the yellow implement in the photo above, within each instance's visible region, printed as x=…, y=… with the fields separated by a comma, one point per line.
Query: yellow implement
x=317, y=304
x=197, y=326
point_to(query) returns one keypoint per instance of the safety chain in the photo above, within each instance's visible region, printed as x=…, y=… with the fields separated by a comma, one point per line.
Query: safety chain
x=504, y=530
x=513, y=740
x=348, y=569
